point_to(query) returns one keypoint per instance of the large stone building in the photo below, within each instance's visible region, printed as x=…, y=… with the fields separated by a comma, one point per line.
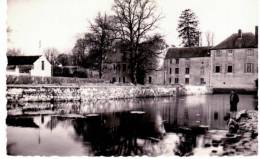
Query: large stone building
x=115, y=69
x=187, y=66
x=235, y=61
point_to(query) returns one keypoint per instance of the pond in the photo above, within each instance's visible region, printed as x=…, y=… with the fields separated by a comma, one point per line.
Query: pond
x=125, y=127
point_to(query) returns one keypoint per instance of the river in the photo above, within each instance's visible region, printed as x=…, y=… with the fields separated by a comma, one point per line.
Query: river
x=142, y=126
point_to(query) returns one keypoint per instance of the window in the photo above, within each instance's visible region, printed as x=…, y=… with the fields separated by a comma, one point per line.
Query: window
x=202, y=81
x=170, y=80
x=150, y=80
x=170, y=61
x=250, y=52
x=113, y=80
x=42, y=65
x=218, y=53
x=118, y=67
x=177, y=61
x=217, y=69
x=249, y=68
x=123, y=79
x=230, y=52
x=124, y=67
x=114, y=66
x=170, y=70
x=202, y=70
x=119, y=79
x=187, y=70
x=176, y=80
x=229, y=69
x=176, y=70
x=187, y=80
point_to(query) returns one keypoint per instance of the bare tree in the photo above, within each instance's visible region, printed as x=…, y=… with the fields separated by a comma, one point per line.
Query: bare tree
x=209, y=38
x=13, y=52
x=51, y=54
x=101, y=38
x=135, y=19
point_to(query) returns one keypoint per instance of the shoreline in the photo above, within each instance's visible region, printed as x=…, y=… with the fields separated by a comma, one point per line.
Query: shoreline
x=242, y=143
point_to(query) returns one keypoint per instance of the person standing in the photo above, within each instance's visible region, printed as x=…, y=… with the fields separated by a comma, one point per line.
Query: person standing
x=234, y=99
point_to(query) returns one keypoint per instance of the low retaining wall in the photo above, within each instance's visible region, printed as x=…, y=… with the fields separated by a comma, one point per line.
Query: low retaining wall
x=197, y=90
x=80, y=93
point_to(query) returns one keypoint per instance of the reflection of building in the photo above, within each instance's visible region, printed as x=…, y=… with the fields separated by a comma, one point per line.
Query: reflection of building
x=234, y=61
x=189, y=66
x=28, y=65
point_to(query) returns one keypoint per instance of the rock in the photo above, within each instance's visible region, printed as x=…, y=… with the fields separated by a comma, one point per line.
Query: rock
x=215, y=144
x=207, y=145
x=241, y=114
x=254, y=135
x=229, y=135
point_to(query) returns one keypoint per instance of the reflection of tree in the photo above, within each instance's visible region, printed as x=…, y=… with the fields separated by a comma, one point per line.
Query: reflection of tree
x=176, y=108
x=52, y=123
x=186, y=116
x=116, y=133
x=186, y=145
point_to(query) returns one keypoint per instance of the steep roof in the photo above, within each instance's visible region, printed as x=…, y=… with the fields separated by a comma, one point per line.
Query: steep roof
x=21, y=60
x=247, y=40
x=187, y=52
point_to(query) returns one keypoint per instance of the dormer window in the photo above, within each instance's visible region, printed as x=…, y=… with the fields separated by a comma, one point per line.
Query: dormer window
x=230, y=52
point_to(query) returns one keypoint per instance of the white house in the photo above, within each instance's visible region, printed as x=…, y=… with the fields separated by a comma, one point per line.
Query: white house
x=29, y=65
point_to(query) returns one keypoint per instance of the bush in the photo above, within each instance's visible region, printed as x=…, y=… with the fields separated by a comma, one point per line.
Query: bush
x=26, y=79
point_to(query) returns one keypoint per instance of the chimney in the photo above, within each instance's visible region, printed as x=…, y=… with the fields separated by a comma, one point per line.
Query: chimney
x=256, y=35
x=239, y=33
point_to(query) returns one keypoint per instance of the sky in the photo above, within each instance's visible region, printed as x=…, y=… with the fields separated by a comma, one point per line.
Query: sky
x=59, y=23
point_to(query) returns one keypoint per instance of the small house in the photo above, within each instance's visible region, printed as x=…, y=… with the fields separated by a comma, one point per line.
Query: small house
x=28, y=65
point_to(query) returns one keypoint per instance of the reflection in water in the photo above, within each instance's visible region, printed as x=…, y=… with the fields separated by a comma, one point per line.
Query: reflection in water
x=117, y=127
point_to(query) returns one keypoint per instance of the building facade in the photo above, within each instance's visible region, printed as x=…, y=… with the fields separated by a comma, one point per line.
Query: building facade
x=116, y=69
x=116, y=72
x=187, y=66
x=235, y=61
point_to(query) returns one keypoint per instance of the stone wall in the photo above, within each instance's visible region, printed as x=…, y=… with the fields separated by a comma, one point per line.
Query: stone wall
x=27, y=93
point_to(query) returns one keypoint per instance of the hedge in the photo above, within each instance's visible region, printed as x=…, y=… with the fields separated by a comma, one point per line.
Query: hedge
x=27, y=79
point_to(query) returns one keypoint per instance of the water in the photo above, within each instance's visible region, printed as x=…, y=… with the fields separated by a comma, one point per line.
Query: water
x=150, y=126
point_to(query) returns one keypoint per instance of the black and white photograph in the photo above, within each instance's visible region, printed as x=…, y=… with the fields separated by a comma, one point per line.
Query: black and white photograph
x=176, y=78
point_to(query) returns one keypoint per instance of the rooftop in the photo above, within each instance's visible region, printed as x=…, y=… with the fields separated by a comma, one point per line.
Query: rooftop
x=188, y=52
x=21, y=60
x=238, y=40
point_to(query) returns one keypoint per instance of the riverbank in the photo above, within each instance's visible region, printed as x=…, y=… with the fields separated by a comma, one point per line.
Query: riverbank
x=51, y=93
x=245, y=141
x=242, y=143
